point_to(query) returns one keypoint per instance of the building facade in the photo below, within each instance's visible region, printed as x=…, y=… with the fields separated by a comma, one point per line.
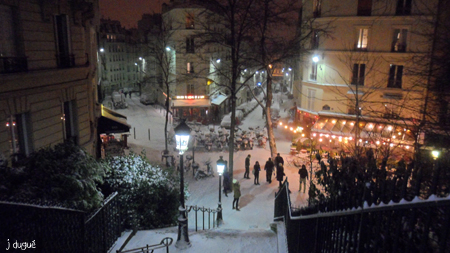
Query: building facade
x=48, y=79
x=363, y=63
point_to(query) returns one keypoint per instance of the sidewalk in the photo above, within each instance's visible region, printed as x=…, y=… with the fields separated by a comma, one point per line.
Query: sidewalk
x=247, y=230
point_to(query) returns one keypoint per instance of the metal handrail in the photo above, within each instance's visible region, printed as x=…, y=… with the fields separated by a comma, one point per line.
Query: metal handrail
x=165, y=243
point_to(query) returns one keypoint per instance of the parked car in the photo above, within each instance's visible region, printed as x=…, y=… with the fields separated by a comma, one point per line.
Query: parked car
x=226, y=121
x=147, y=99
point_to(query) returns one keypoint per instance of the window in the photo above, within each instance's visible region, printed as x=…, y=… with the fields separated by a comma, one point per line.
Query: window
x=358, y=74
x=190, y=90
x=70, y=121
x=317, y=8
x=313, y=75
x=7, y=36
x=311, y=99
x=315, y=39
x=19, y=128
x=395, y=76
x=403, y=7
x=190, y=21
x=190, y=67
x=364, y=7
x=363, y=35
x=190, y=46
x=64, y=57
x=399, y=40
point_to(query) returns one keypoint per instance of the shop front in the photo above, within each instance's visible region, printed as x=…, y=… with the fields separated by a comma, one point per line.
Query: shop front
x=192, y=108
x=341, y=132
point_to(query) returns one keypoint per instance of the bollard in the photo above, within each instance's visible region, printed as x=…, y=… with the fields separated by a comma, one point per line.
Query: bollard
x=134, y=129
x=149, y=134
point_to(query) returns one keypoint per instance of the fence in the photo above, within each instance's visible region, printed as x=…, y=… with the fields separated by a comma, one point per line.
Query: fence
x=165, y=243
x=204, y=210
x=50, y=228
x=406, y=226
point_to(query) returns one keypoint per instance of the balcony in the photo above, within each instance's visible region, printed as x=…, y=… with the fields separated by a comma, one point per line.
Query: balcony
x=13, y=64
x=65, y=61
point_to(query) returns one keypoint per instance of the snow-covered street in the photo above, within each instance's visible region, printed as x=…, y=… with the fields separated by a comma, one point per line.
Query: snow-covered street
x=242, y=231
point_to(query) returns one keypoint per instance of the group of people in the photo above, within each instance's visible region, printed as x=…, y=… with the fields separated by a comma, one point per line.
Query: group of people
x=277, y=165
x=269, y=167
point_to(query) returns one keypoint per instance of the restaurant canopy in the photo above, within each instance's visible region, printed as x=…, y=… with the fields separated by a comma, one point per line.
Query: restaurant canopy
x=112, y=122
x=374, y=130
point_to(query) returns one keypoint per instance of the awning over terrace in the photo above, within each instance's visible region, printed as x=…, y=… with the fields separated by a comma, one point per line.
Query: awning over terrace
x=371, y=130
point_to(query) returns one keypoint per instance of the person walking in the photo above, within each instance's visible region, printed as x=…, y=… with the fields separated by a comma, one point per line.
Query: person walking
x=247, y=167
x=237, y=194
x=280, y=173
x=303, y=176
x=278, y=160
x=269, y=169
x=256, y=169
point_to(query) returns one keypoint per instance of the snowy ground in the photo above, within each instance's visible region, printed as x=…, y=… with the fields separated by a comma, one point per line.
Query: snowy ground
x=242, y=231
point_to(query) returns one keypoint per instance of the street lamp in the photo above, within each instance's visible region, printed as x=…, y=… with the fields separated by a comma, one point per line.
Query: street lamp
x=435, y=154
x=182, y=132
x=220, y=168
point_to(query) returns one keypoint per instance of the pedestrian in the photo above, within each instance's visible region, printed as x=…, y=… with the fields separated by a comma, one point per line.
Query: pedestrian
x=303, y=176
x=256, y=169
x=237, y=194
x=247, y=167
x=280, y=173
x=269, y=169
x=226, y=182
x=278, y=160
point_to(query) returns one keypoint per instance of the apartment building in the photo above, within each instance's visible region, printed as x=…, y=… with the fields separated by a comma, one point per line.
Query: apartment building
x=120, y=58
x=196, y=95
x=47, y=75
x=363, y=70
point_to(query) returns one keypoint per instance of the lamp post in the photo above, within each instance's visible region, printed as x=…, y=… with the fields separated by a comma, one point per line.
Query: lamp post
x=220, y=168
x=182, y=132
x=435, y=154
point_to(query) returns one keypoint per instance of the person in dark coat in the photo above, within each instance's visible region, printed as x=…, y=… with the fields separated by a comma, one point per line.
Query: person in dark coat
x=269, y=169
x=278, y=160
x=303, y=176
x=237, y=194
x=280, y=173
x=256, y=169
x=247, y=167
x=226, y=182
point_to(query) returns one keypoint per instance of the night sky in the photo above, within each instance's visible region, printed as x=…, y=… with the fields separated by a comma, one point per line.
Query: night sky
x=128, y=12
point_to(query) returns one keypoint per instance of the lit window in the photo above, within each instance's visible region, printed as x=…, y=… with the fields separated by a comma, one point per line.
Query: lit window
x=190, y=67
x=395, y=76
x=190, y=21
x=399, y=40
x=363, y=35
x=19, y=129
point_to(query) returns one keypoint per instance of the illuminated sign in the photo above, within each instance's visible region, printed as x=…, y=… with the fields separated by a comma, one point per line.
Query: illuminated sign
x=191, y=97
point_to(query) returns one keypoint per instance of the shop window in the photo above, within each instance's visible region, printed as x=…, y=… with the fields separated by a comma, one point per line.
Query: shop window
x=363, y=36
x=395, y=76
x=65, y=58
x=358, y=74
x=399, y=40
x=19, y=128
x=190, y=21
x=403, y=7
x=364, y=7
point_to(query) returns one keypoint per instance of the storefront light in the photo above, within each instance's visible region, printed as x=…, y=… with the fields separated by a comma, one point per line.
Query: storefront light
x=281, y=123
x=350, y=138
x=378, y=142
x=399, y=133
x=393, y=136
x=392, y=144
x=291, y=128
x=333, y=136
x=360, y=140
x=407, y=147
x=303, y=135
x=320, y=139
x=314, y=134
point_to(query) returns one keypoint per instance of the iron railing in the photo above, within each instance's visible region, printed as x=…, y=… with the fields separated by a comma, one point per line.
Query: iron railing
x=53, y=228
x=404, y=226
x=165, y=243
x=103, y=226
x=204, y=210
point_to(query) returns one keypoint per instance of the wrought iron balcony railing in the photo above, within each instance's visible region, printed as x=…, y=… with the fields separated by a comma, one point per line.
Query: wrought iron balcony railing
x=13, y=64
